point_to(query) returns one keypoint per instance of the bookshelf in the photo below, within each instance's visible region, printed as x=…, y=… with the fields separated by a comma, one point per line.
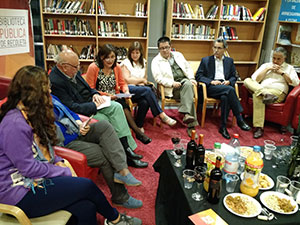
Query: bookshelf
x=90, y=24
x=245, y=46
x=288, y=36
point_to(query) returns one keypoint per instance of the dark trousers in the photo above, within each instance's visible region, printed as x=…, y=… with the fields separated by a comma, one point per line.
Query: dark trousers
x=80, y=196
x=104, y=150
x=145, y=98
x=229, y=100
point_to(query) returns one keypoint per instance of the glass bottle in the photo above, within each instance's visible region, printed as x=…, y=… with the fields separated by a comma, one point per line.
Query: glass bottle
x=190, y=152
x=200, y=152
x=215, y=183
x=294, y=164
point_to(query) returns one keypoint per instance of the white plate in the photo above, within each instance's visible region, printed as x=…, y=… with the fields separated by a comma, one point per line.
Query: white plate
x=268, y=178
x=247, y=149
x=254, y=201
x=266, y=194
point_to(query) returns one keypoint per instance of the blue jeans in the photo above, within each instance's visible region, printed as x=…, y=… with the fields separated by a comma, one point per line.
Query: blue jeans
x=145, y=98
x=77, y=195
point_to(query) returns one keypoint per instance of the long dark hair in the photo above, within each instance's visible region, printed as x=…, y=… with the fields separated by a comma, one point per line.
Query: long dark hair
x=30, y=85
x=136, y=46
x=104, y=52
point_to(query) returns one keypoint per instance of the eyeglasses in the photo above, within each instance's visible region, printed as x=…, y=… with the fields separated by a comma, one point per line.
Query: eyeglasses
x=164, y=48
x=218, y=48
x=75, y=67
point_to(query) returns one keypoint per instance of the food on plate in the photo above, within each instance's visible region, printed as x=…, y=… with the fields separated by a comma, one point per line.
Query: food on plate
x=278, y=204
x=264, y=181
x=241, y=205
x=245, y=151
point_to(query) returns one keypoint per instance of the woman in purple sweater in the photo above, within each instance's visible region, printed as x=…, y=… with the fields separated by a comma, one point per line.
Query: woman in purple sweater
x=31, y=176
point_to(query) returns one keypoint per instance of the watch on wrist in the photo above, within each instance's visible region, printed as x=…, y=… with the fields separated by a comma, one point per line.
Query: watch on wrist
x=282, y=73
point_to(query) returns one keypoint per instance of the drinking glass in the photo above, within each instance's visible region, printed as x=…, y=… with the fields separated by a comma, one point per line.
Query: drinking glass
x=282, y=183
x=188, y=178
x=175, y=138
x=231, y=182
x=200, y=172
x=295, y=190
x=269, y=142
x=178, y=149
x=184, y=142
x=268, y=151
x=279, y=155
x=294, y=140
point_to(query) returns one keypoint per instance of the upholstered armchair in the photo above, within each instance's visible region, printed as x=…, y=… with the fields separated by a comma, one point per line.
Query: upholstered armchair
x=4, y=84
x=280, y=113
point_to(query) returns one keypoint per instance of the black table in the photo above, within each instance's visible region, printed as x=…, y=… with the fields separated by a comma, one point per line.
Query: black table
x=174, y=203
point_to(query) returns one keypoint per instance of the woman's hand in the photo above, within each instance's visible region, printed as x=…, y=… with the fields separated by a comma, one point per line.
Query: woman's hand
x=62, y=164
x=113, y=97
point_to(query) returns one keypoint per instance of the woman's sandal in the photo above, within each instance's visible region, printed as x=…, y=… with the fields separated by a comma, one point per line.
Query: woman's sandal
x=168, y=120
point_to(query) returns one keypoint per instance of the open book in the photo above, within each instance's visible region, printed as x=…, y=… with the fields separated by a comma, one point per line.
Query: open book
x=106, y=103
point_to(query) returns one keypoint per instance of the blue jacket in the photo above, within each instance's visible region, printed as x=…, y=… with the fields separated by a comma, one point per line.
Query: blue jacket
x=68, y=137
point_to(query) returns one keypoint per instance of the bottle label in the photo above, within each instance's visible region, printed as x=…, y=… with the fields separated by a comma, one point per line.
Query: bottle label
x=254, y=166
x=231, y=167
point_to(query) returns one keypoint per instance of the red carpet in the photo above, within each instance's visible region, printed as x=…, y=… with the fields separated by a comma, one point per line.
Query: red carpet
x=161, y=140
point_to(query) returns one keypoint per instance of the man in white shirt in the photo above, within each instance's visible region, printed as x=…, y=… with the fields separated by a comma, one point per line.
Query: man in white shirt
x=218, y=73
x=173, y=71
x=270, y=84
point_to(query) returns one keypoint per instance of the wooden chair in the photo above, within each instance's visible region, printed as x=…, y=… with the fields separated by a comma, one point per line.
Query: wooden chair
x=215, y=102
x=11, y=215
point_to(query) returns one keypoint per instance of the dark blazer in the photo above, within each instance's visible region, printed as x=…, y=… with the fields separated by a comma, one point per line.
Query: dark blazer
x=206, y=70
x=69, y=95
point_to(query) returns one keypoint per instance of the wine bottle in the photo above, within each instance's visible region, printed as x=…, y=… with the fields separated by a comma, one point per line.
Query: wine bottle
x=215, y=183
x=200, y=152
x=294, y=164
x=190, y=152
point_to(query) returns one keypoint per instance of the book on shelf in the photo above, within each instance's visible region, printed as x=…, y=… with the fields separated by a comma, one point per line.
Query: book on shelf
x=140, y=9
x=257, y=15
x=101, y=8
x=295, y=34
x=235, y=12
x=212, y=12
x=228, y=33
x=284, y=34
x=68, y=27
x=112, y=29
x=144, y=30
x=192, y=31
x=53, y=50
x=65, y=6
x=207, y=217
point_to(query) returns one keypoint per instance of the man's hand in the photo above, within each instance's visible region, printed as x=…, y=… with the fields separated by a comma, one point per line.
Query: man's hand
x=98, y=100
x=194, y=82
x=84, y=129
x=216, y=82
x=176, y=84
x=226, y=82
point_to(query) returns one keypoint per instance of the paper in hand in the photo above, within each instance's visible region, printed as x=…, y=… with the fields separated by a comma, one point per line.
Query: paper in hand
x=106, y=103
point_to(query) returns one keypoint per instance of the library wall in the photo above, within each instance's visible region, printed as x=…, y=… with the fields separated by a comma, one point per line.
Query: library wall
x=9, y=64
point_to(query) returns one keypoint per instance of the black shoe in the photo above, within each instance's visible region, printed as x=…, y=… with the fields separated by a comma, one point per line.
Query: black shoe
x=143, y=138
x=283, y=129
x=224, y=132
x=136, y=163
x=131, y=154
x=243, y=125
x=258, y=132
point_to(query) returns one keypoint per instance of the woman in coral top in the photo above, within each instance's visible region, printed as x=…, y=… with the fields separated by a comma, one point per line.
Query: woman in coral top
x=106, y=76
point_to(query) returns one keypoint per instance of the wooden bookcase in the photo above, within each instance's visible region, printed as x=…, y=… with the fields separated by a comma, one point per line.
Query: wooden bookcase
x=122, y=11
x=291, y=41
x=245, y=51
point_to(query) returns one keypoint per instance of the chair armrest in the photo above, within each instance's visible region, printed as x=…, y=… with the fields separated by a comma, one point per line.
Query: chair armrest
x=161, y=89
x=236, y=87
x=84, y=118
x=77, y=159
x=16, y=212
x=195, y=87
x=204, y=91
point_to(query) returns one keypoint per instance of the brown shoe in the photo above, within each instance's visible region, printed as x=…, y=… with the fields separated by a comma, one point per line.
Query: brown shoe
x=188, y=119
x=269, y=98
x=258, y=132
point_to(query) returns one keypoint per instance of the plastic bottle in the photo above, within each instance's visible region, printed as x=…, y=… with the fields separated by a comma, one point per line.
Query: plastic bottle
x=190, y=152
x=215, y=183
x=200, y=152
x=217, y=149
x=253, y=167
x=232, y=158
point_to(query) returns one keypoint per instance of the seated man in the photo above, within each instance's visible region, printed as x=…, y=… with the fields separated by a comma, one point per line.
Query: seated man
x=218, y=73
x=76, y=94
x=102, y=148
x=269, y=84
x=172, y=71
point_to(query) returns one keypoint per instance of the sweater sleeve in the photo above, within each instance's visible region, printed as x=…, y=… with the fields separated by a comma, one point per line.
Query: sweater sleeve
x=122, y=85
x=19, y=151
x=91, y=75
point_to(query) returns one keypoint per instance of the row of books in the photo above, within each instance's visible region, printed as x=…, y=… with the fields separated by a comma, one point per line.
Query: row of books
x=185, y=10
x=228, y=33
x=87, y=52
x=117, y=29
x=192, y=31
x=140, y=9
x=237, y=12
x=68, y=27
x=67, y=6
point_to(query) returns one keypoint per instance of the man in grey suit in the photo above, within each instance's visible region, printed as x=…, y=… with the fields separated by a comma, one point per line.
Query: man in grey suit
x=218, y=73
